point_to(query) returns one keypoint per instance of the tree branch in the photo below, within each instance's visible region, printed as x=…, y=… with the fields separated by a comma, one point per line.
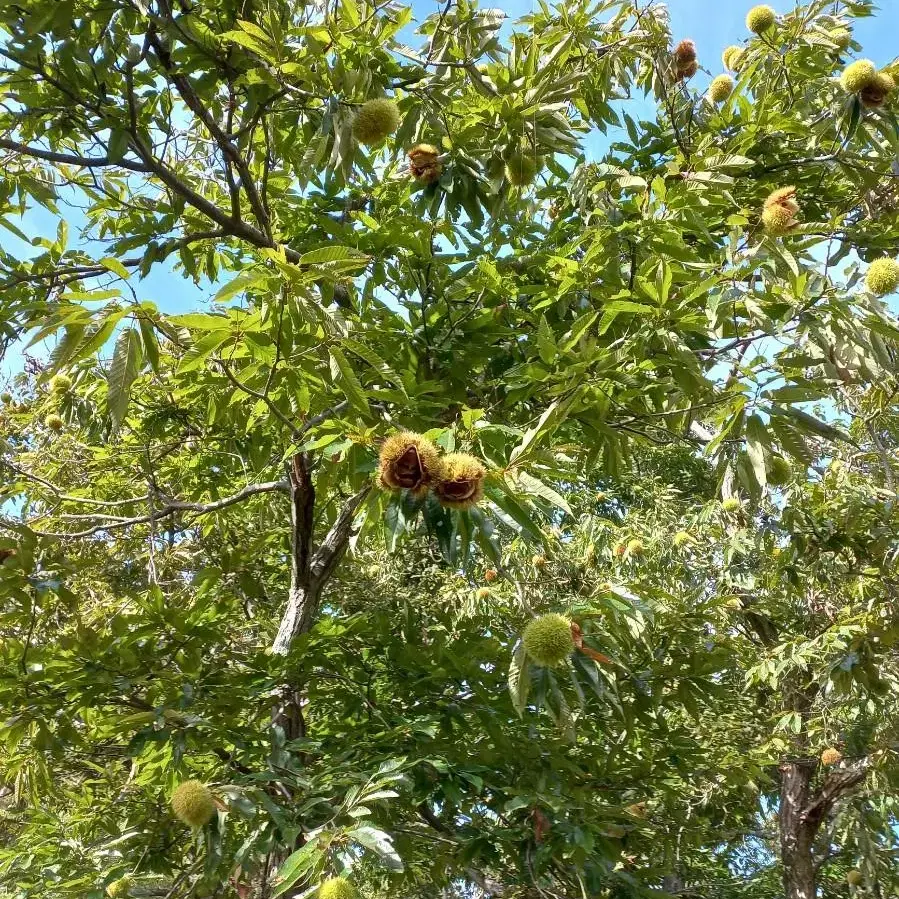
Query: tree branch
x=303, y=600
x=231, y=153
x=302, y=507
x=336, y=409
x=834, y=788
x=169, y=508
x=333, y=546
x=70, y=158
x=489, y=887
x=66, y=274
x=294, y=430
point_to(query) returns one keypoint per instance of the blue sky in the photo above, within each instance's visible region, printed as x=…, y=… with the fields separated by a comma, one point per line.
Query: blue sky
x=713, y=24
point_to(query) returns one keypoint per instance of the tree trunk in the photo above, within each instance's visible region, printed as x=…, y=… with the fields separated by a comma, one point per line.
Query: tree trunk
x=803, y=808
x=310, y=571
x=796, y=834
x=302, y=603
x=802, y=812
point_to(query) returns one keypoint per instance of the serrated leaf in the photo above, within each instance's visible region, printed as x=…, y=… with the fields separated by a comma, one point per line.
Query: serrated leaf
x=500, y=493
x=791, y=440
x=529, y=484
x=796, y=394
x=196, y=355
x=93, y=296
x=118, y=145
x=296, y=866
x=95, y=339
x=757, y=440
x=779, y=250
x=261, y=48
x=66, y=346
x=126, y=362
x=17, y=231
x=350, y=11
x=519, y=680
x=551, y=416
x=546, y=346
x=379, y=794
x=614, y=309
x=578, y=329
x=380, y=843
x=375, y=361
x=238, y=285
x=346, y=379
x=151, y=344
x=560, y=711
x=812, y=425
x=349, y=259
x=484, y=535
x=115, y=266
x=254, y=29
x=201, y=321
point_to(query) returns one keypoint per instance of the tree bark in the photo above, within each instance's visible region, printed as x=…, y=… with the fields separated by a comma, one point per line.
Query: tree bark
x=796, y=837
x=310, y=571
x=802, y=812
x=803, y=808
x=297, y=618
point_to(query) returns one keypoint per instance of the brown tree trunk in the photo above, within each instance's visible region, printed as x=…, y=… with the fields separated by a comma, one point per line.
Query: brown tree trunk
x=796, y=836
x=310, y=571
x=802, y=812
x=803, y=809
x=302, y=603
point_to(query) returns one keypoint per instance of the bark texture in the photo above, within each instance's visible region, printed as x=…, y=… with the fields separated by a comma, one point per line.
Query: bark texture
x=796, y=838
x=310, y=571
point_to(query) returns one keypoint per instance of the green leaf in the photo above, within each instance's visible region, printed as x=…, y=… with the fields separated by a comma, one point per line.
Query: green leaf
x=201, y=321
x=529, y=484
x=242, y=282
x=757, y=442
x=578, y=329
x=791, y=440
x=519, y=679
x=261, y=48
x=551, y=416
x=296, y=866
x=350, y=11
x=254, y=29
x=501, y=495
x=17, y=231
x=116, y=267
x=334, y=253
x=615, y=308
x=796, y=394
x=96, y=338
x=546, y=346
x=485, y=536
x=346, y=379
x=812, y=425
x=126, y=362
x=196, y=356
x=374, y=360
x=380, y=843
x=118, y=145
x=151, y=344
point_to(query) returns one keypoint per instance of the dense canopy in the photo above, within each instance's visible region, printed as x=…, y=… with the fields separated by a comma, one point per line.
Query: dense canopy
x=507, y=520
